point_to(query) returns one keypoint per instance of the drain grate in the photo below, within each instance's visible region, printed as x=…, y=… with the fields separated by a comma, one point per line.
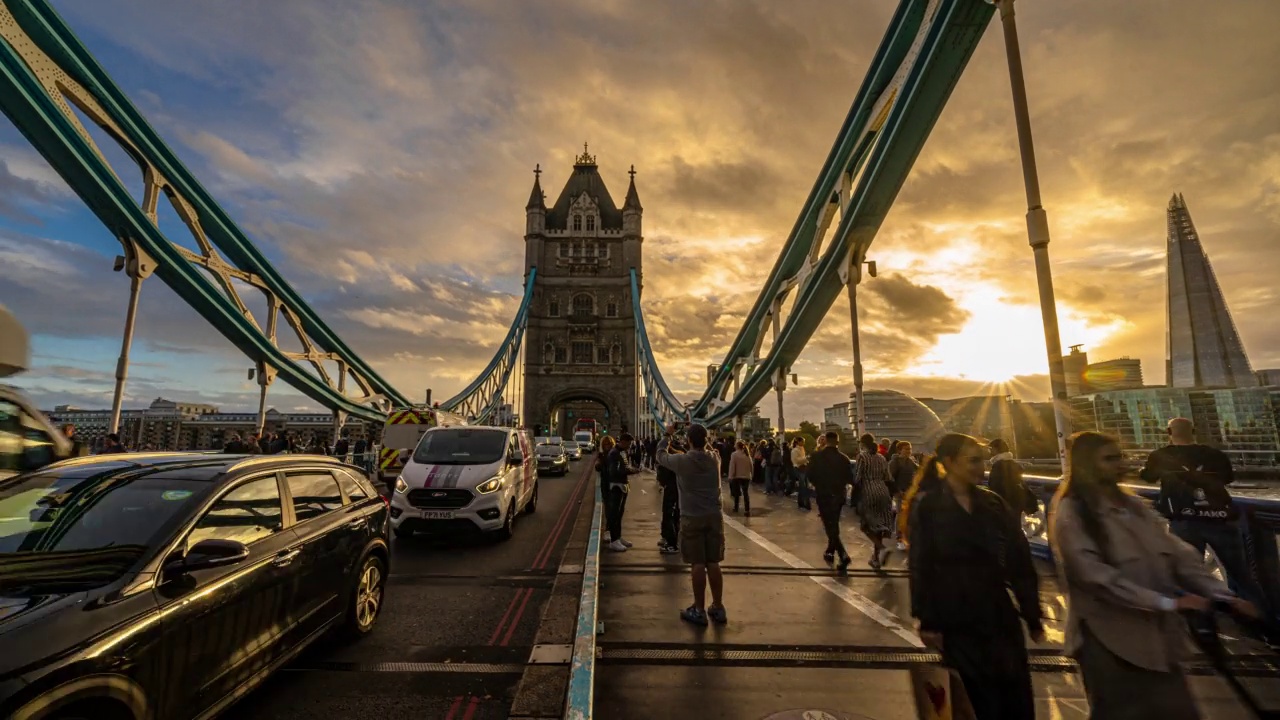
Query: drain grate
x=415, y=667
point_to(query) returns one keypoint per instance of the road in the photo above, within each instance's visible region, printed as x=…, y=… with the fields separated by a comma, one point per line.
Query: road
x=455, y=632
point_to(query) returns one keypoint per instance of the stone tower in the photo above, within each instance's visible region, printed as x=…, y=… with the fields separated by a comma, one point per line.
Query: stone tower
x=580, y=353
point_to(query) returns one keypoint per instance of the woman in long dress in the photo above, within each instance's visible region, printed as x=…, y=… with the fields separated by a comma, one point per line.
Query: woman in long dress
x=874, y=500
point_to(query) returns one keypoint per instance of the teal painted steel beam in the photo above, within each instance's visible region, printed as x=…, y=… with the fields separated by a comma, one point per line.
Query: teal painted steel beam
x=38, y=115
x=944, y=53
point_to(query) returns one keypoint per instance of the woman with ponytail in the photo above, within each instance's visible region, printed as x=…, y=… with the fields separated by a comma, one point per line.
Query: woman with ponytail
x=1126, y=578
x=968, y=557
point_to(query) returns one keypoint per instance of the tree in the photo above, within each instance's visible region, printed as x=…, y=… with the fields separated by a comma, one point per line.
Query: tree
x=808, y=428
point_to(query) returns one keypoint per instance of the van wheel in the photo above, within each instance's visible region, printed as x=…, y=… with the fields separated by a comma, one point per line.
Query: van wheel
x=505, y=532
x=532, y=506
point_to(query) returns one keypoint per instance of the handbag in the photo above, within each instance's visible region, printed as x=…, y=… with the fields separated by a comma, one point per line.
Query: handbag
x=940, y=694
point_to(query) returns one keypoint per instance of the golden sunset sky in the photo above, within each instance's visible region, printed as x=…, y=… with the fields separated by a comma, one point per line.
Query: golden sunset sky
x=381, y=152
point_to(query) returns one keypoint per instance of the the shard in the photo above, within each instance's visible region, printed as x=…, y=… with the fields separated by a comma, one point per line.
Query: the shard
x=1204, y=349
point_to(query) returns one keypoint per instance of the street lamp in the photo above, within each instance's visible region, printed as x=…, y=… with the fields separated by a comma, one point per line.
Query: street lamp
x=855, y=277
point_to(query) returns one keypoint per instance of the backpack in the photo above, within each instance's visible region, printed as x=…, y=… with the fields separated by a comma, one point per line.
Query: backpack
x=1195, y=494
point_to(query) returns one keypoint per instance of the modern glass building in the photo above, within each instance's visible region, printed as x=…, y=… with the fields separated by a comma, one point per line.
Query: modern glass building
x=893, y=415
x=1242, y=422
x=1204, y=349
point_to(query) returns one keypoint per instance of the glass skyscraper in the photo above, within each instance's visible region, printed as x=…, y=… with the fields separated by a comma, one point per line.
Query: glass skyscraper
x=1204, y=349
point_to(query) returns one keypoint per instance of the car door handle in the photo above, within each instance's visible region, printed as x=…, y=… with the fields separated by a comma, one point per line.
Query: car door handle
x=285, y=557
x=356, y=524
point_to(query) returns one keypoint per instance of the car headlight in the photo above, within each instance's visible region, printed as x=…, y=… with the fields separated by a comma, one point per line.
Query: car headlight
x=490, y=485
x=401, y=486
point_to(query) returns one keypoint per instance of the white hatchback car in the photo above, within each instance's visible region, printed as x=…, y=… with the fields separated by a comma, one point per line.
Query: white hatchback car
x=466, y=478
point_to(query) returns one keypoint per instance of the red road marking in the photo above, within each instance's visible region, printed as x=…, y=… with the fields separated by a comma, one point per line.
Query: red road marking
x=471, y=708
x=515, y=621
x=453, y=709
x=544, y=554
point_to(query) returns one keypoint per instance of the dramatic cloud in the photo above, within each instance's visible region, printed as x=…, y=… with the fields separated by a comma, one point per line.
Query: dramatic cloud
x=380, y=153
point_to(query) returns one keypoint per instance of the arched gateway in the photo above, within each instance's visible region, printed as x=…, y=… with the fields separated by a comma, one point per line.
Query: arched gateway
x=580, y=343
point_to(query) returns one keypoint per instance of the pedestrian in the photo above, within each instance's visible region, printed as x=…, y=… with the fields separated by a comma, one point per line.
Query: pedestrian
x=969, y=563
x=873, y=499
x=342, y=446
x=602, y=468
x=618, y=470
x=757, y=465
x=740, y=477
x=1005, y=479
x=786, y=478
x=1126, y=578
x=830, y=473
x=358, y=454
x=112, y=445
x=701, y=524
x=800, y=473
x=1194, y=496
x=78, y=448
x=773, y=468
x=727, y=448
x=929, y=478
x=670, y=542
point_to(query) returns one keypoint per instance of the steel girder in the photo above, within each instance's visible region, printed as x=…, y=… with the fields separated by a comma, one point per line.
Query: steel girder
x=483, y=397
x=43, y=67
x=662, y=403
x=920, y=59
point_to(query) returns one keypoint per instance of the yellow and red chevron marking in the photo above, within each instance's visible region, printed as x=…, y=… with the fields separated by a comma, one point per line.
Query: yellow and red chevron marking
x=387, y=457
x=411, y=417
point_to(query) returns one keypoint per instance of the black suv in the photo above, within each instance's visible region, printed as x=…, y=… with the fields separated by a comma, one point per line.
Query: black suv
x=168, y=585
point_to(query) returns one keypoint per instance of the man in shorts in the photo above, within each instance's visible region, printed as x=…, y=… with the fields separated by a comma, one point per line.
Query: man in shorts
x=701, y=522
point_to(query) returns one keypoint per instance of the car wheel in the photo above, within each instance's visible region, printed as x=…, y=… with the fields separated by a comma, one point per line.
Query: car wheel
x=532, y=506
x=366, y=596
x=509, y=524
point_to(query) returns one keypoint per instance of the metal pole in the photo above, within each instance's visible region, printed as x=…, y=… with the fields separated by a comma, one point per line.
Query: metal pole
x=1037, y=228
x=122, y=365
x=262, y=397
x=781, y=382
x=860, y=415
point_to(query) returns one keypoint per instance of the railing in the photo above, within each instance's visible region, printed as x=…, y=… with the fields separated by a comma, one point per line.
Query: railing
x=1259, y=525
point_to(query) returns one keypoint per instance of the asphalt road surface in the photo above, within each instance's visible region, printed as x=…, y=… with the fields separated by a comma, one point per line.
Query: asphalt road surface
x=455, y=631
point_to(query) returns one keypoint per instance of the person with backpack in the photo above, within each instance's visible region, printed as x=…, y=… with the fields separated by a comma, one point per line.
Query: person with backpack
x=1194, y=497
x=1126, y=580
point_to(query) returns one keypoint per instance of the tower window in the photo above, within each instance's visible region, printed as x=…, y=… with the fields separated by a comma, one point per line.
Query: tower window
x=611, y=310
x=553, y=308
x=591, y=223
x=561, y=355
x=582, y=353
x=602, y=355
x=582, y=306
x=577, y=222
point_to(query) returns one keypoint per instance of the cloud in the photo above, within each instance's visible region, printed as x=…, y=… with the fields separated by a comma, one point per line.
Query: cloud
x=379, y=153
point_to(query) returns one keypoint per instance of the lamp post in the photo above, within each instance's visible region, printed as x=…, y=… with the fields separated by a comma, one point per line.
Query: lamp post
x=855, y=277
x=138, y=266
x=1037, y=226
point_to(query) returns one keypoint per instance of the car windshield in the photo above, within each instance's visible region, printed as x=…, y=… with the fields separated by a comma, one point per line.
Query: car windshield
x=548, y=449
x=85, y=528
x=461, y=446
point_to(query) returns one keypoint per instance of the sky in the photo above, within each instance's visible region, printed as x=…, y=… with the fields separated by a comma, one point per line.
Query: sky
x=381, y=153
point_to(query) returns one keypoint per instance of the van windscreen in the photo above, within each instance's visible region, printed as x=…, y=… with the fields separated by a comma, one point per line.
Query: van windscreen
x=461, y=446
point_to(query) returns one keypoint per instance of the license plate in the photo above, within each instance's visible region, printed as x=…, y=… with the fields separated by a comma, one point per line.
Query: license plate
x=437, y=514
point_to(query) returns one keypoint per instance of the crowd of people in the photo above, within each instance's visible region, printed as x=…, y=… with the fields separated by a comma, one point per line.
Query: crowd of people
x=974, y=588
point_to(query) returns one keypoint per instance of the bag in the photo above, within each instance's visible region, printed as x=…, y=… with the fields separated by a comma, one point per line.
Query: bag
x=1195, y=495
x=939, y=694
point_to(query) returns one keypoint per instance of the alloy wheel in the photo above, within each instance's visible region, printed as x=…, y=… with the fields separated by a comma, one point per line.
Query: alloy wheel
x=369, y=594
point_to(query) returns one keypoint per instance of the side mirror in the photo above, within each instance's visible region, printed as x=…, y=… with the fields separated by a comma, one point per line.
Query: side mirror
x=515, y=459
x=212, y=553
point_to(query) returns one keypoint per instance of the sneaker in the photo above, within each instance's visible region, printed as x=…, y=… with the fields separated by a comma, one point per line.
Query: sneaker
x=693, y=615
x=828, y=557
x=617, y=546
x=662, y=544
x=717, y=614
x=668, y=549
x=626, y=542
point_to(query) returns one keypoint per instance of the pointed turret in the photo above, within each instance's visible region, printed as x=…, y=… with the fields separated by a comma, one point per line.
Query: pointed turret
x=536, y=210
x=631, y=209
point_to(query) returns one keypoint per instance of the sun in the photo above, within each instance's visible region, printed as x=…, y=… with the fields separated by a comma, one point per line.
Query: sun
x=1003, y=340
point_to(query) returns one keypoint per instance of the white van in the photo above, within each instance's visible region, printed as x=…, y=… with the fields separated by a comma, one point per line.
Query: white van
x=585, y=441
x=463, y=478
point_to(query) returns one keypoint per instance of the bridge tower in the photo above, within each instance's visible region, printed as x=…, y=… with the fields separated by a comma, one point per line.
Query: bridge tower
x=580, y=354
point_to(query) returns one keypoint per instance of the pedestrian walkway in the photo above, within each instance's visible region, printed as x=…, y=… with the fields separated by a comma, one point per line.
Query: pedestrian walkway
x=800, y=638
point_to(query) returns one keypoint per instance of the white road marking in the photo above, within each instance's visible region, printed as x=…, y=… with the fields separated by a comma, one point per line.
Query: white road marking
x=862, y=603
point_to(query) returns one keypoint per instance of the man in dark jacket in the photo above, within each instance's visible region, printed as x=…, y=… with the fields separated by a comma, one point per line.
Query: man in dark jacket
x=670, y=544
x=618, y=468
x=829, y=473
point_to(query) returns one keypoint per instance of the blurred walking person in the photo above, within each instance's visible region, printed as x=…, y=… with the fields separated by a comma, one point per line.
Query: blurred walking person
x=873, y=499
x=830, y=473
x=1126, y=578
x=740, y=477
x=800, y=473
x=1005, y=479
x=969, y=562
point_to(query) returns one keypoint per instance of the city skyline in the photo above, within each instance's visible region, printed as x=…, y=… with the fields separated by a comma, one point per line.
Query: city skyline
x=359, y=173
